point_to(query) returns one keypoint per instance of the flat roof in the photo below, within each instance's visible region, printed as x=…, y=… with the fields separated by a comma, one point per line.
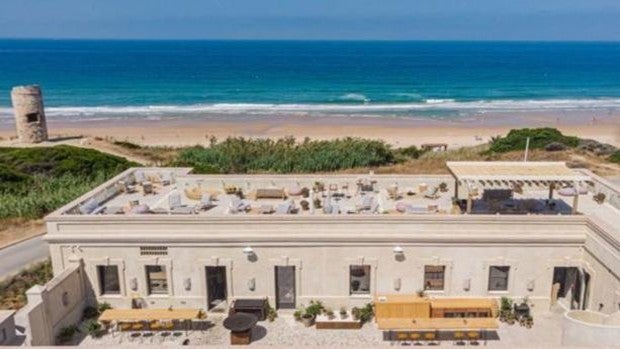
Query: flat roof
x=514, y=171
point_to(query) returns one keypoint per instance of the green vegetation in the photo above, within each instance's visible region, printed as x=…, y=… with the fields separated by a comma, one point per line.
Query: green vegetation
x=127, y=145
x=615, y=157
x=285, y=155
x=36, y=181
x=93, y=328
x=539, y=138
x=364, y=314
x=13, y=290
x=66, y=334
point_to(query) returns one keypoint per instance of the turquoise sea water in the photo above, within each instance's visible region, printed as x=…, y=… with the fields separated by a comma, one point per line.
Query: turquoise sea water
x=88, y=79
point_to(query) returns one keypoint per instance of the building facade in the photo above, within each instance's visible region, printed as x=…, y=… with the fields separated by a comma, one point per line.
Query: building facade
x=143, y=247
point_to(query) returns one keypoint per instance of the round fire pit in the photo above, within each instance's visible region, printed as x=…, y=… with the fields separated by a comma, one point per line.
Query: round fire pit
x=240, y=326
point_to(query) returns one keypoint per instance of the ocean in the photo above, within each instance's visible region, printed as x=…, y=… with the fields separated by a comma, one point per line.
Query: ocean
x=83, y=79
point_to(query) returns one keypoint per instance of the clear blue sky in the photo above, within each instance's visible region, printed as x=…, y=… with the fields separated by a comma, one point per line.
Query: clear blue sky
x=313, y=19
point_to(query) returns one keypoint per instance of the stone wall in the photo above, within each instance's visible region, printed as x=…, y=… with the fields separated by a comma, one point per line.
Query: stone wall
x=57, y=304
x=30, y=119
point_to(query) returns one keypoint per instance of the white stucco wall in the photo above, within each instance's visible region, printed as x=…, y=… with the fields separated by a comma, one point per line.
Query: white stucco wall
x=588, y=329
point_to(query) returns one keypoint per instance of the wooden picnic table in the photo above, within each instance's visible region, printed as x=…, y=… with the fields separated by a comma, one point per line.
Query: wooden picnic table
x=437, y=324
x=148, y=314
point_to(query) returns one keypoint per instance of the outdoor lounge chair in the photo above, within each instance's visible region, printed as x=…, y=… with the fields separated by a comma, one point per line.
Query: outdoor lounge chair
x=366, y=203
x=434, y=194
x=126, y=187
x=88, y=207
x=166, y=178
x=205, y=202
x=238, y=205
x=285, y=208
x=139, y=176
x=174, y=200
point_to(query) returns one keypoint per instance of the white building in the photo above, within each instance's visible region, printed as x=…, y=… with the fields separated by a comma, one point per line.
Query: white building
x=160, y=237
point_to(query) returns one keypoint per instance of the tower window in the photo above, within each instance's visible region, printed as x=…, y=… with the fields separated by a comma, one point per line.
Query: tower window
x=32, y=117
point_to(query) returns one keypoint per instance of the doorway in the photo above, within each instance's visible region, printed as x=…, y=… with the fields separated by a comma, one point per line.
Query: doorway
x=571, y=284
x=216, y=286
x=285, y=287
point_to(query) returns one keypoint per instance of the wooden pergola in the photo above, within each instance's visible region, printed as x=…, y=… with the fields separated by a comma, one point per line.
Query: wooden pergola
x=511, y=174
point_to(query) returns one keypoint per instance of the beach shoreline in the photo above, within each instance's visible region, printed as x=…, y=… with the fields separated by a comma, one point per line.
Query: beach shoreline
x=397, y=131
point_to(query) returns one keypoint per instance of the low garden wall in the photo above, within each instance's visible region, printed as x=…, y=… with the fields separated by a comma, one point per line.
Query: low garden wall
x=56, y=305
x=588, y=328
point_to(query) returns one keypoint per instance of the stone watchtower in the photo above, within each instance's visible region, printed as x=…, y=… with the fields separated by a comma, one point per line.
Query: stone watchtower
x=29, y=114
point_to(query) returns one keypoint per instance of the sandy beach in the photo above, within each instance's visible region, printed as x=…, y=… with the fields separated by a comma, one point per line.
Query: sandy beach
x=398, y=131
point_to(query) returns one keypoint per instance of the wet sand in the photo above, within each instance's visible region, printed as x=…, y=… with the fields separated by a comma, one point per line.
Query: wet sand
x=398, y=131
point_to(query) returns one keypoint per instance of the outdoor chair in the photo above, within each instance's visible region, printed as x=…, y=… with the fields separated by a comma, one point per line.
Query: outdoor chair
x=415, y=338
x=402, y=337
x=205, y=202
x=459, y=338
x=166, y=178
x=285, y=207
x=433, y=195
x=139, y=176
x=473, y=337
x=366, y=204
x=174, y=200
x=430, y=337
x=127, y=187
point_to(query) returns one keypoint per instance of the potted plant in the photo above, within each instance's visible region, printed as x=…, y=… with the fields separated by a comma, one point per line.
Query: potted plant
x=319, y=186
x=317, y=203
x=343, y=313
x=307, y=319
x=529, y=321
x=305, y=192
x=305, y=205
x=443, y=187
x=599, y=198
x=330, y=314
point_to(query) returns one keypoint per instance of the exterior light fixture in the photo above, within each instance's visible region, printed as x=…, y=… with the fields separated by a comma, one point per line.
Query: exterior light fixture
x=398, y=250
x=248, y=251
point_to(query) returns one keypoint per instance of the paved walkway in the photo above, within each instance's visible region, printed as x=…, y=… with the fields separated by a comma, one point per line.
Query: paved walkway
x=19, y=256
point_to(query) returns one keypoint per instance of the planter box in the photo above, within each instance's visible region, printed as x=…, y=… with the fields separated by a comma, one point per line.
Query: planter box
x=324, y=323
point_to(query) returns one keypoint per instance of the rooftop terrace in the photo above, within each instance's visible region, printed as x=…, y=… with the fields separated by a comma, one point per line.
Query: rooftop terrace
x=174, y=191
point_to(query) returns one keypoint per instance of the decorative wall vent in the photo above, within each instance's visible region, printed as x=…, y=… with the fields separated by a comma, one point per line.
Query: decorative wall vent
x=153, y=250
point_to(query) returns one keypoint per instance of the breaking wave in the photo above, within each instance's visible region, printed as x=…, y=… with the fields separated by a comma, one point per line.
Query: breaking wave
x=427, y=105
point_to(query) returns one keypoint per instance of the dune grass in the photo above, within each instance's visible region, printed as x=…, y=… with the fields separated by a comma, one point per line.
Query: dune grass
x=286, y=155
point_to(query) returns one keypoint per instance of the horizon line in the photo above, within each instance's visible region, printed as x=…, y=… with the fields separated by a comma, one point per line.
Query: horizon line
x=312, y=40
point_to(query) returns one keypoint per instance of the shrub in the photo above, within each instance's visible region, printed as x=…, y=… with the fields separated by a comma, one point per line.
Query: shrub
x=90, y=312
x=127, y=145
x=615, y=157
x=285, y=155
x=93, y=328
x=411, y=152
x=364, y=314
x=36, y=181
x=315, y=308
x=66, y=333
x=101, y=307
x=539, y=138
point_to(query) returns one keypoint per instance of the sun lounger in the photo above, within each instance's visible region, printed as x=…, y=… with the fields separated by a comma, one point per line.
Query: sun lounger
x=238, y=205
x=434, y=194
x=139, y=176
x=270, y=193
x=174, y=200
x=166, y=178
x=126, y=187
x=205, y=202
x=285, y=208
x=366, y=204
x=266, y=209
x=88, y=207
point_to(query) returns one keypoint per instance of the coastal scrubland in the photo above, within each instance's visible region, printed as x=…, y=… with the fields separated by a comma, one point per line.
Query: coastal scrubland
x=13, y=290
x=36, y=181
